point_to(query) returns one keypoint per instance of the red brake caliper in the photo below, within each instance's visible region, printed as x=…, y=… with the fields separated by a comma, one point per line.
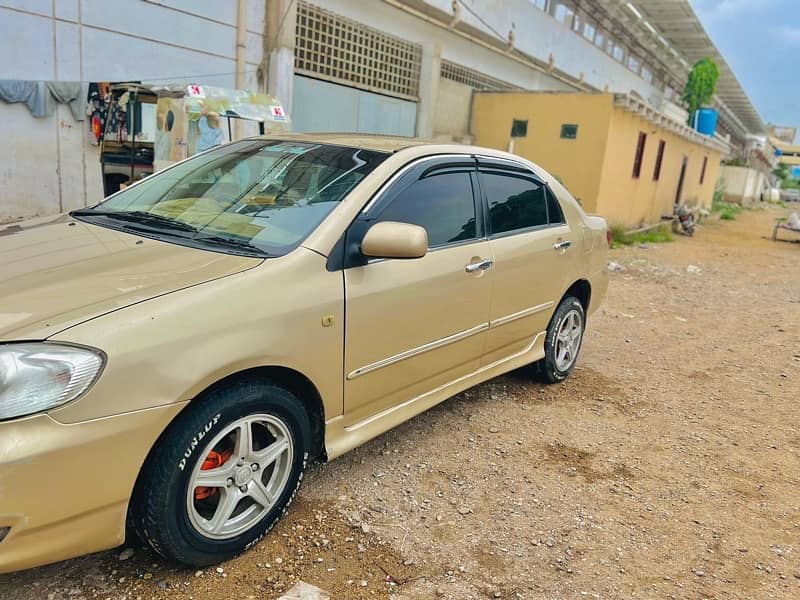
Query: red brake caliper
x=213, y=460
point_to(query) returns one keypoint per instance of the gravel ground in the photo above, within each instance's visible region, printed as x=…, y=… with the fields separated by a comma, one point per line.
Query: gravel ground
x=667, y=466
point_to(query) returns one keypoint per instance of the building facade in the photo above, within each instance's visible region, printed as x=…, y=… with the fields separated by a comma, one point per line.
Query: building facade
x=48, y=163
x=401, y=67
x=458, y=47
x=620, y=157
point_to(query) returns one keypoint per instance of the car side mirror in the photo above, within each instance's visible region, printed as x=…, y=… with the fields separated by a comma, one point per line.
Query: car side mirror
x=390, y=239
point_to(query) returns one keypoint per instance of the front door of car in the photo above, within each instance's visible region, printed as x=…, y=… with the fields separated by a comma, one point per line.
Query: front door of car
x=413, y=325
x=532, y=249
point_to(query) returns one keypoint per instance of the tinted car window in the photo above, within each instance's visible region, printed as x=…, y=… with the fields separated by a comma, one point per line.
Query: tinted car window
x=442, y=203
x=514, y=202
x=554, y=212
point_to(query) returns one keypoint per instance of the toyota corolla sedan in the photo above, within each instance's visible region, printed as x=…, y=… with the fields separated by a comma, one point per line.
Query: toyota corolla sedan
x=172, y=358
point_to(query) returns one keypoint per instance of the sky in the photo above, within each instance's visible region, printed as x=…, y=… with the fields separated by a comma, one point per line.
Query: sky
x=760, y=40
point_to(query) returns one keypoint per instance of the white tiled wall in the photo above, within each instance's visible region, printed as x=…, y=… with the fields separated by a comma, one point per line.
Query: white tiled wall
x=47, y=164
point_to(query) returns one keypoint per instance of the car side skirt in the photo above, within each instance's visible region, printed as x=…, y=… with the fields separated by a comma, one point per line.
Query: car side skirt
x=340, y=439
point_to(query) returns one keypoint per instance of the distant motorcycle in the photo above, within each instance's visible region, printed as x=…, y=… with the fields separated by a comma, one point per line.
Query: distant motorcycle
x=682, y=220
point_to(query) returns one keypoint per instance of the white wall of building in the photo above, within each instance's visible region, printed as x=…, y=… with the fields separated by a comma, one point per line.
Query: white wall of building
x=535, y=32
x=394, y=21
x=742, y=185
x=47, y=164
x=453, y=109
x=50, y=165
x=348, y=110
x=538, y=34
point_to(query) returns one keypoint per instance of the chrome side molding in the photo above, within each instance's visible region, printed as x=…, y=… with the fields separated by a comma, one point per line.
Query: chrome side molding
x=521, y=314
x=450, y=339
x=456, y=337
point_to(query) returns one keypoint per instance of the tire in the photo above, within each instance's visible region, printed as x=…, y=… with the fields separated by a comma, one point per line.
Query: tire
x=553, y=368
x=184, y=521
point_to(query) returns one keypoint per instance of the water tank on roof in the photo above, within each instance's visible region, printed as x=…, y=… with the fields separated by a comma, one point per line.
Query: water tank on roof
x=705, y=121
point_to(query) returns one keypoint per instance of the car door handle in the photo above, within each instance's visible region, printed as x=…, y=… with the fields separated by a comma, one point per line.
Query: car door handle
x=562, y=245
x=479, y=266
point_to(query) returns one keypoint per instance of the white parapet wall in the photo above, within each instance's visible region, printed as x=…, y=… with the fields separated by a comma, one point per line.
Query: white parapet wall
x=743, y=185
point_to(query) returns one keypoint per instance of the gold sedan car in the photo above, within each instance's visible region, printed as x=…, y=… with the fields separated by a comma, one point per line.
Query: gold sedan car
x=171, y=358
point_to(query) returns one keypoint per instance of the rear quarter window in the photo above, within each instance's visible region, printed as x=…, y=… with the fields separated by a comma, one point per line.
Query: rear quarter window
x=515, y=202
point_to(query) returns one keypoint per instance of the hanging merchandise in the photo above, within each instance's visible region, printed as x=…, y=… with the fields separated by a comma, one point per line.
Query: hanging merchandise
x=97, y=110
x=149, y=127
x=121, y=109
x=97, y=128
x=111, y=112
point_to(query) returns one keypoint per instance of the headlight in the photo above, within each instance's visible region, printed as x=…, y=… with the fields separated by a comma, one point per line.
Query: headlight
x=38, y=376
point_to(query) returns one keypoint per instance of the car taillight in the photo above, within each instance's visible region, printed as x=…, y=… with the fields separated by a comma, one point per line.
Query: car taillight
x=609, y=237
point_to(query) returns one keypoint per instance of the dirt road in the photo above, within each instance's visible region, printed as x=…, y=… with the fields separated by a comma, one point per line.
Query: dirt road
x=668, y=466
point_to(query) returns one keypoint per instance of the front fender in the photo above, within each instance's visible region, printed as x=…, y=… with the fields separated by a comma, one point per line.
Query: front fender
x=169, y=349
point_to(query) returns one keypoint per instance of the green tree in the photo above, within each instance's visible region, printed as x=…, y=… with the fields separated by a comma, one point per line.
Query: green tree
x=784, y=175
x=781, y=171
x=701, y=85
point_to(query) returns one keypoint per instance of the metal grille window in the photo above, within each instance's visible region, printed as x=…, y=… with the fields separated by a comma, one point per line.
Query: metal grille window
x=615, y=50
x=335, y=48
x=563, y=14
x=475, y=79
x=600, y=39
x=589, y=31
x=577, y=23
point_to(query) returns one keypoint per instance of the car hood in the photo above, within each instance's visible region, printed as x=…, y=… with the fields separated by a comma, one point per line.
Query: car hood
x=57, y=272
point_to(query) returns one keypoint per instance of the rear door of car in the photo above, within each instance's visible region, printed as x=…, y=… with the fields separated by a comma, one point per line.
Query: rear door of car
x=532, y=247
x=416, y=324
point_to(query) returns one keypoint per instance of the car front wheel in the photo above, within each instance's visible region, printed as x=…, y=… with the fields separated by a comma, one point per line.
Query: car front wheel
x=222, y=474
x=562, y=342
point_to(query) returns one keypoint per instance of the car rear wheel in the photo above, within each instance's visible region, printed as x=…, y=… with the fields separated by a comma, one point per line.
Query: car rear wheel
x=222, y=474
x=562, y=342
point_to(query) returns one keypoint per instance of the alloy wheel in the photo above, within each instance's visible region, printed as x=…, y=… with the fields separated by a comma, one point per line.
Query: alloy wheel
x=568, y=340
x=241, y=478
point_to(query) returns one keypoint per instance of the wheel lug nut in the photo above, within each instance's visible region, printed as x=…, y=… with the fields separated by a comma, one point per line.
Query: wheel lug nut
x=243, y=488
x=254, y=466
x=230, y=482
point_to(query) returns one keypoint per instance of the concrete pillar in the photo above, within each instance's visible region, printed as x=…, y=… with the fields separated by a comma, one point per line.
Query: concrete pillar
x=428, y=88
x=241, y=49
x=279, y=43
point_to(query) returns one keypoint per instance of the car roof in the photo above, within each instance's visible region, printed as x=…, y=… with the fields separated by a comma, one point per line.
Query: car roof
x=368, y=141
x=411, y=148
x=393, y=144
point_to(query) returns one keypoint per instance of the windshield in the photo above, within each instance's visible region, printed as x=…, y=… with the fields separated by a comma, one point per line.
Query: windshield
x=256, y=197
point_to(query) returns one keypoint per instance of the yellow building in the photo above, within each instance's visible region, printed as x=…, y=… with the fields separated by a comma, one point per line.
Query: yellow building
x=622, y=158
